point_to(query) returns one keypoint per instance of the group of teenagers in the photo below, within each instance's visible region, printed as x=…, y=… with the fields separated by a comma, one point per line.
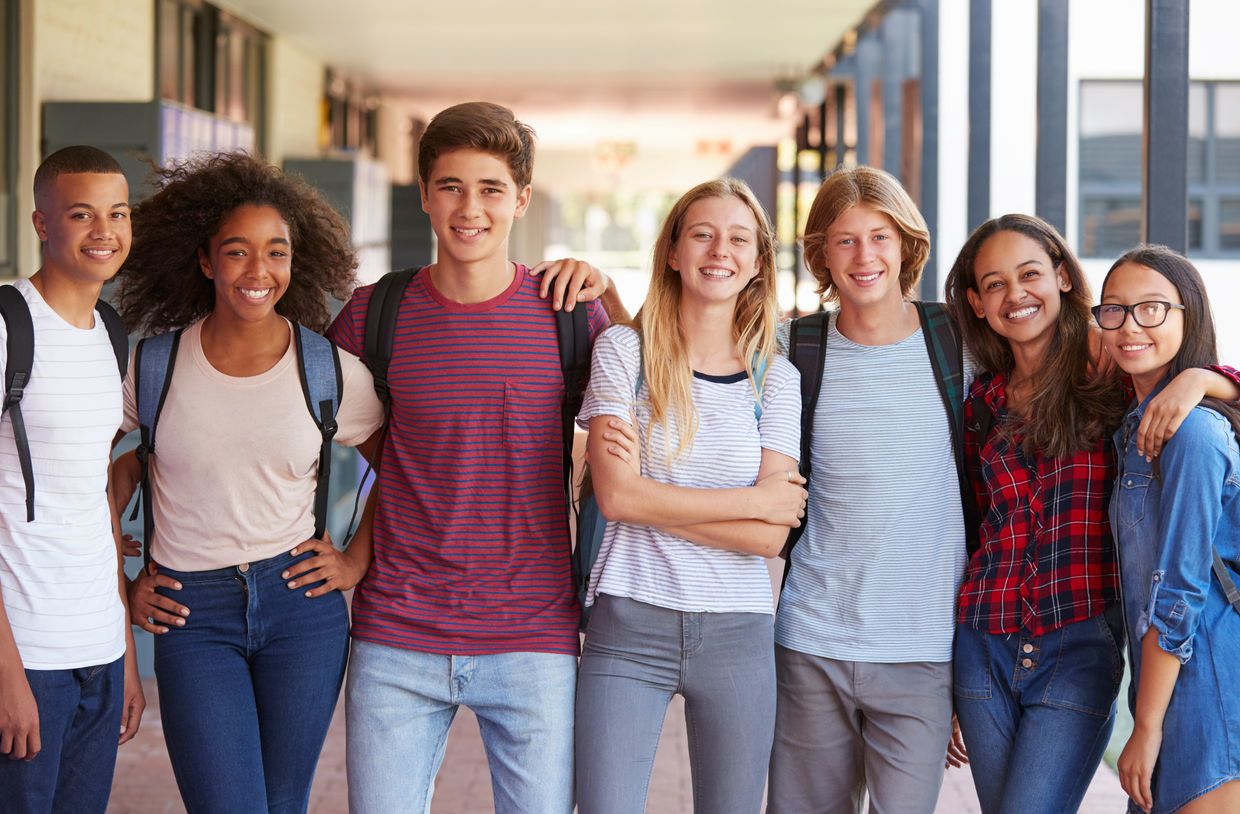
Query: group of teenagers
x=1004, y=490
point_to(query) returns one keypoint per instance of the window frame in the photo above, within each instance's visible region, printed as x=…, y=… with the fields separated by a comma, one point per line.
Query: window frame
x=205, y=49
x=1209, y=193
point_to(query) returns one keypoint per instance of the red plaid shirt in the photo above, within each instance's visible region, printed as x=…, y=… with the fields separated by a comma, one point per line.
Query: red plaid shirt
x=1046, y=558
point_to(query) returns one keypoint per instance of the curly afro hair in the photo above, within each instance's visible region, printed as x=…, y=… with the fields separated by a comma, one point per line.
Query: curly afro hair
x=161, y=286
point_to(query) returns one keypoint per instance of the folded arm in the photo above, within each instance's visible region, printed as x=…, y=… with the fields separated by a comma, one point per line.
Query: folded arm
x=761, y=514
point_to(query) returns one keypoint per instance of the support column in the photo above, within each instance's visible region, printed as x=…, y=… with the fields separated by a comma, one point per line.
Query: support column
x=979, y=112
x=929, y=198
x=1164, y=154
x=1051, y=186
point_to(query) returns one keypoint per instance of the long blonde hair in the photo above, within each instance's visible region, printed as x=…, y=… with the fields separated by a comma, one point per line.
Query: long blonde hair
x=668, y=374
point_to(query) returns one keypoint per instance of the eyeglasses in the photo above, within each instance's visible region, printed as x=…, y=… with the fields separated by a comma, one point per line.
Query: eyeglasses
x=1149, y=314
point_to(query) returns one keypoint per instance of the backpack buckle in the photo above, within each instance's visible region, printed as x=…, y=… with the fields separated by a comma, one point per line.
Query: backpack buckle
x=16, y=389
x=143, y=454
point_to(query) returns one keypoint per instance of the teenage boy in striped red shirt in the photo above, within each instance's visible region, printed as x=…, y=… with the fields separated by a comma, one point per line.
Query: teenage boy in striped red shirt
x=469, y=598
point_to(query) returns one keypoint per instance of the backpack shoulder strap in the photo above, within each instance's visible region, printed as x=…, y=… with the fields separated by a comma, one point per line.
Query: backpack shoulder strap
x=946, y=350
x=760, y=366
x=17, y=368
x=1224, y=578
x=321, y=383
x=979, y=428
x=807, y=350
x=573, y=335
x=154, y=360
x=117, y=334
x=381, y=314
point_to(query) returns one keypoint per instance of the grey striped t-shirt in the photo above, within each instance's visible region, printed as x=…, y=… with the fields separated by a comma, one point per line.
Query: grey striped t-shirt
x=643, y=563
x=875, y=576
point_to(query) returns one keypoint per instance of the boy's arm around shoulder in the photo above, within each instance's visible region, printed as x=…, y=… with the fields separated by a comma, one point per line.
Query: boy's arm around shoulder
x=568, y=282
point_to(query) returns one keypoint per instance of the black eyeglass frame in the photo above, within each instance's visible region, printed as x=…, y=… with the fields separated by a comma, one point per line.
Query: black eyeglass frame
x=1132, y=310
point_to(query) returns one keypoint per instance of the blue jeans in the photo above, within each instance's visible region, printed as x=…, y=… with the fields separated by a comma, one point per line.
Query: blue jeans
x=636, y=657
x=79, y=725
x=400, y=704
x=1036, y=712
x=248, y=686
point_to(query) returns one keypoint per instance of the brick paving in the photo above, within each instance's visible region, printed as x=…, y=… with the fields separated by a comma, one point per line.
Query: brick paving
x=144, y=783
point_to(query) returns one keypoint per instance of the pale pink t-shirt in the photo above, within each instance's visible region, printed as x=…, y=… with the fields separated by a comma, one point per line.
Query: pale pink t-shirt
x=236, y=458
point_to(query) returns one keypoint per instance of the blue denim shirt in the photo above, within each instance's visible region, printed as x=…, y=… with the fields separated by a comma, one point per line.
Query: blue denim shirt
x=1166, y=526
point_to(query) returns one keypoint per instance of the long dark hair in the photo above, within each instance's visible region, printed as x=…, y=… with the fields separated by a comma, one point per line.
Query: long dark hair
x=1071, y=406
x=1198, y=348
x=161, y=285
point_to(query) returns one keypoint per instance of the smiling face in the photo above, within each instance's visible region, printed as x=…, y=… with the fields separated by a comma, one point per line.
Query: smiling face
x=83, y=221
x=1145, y=354
x=250, y=261
x=863, y=257
x=1018, y=288
x=717, y=251
x=472, y=200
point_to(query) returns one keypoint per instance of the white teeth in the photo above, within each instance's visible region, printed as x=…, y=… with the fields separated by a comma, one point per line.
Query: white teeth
x=469, y=232
x=255, y=293
x=1132, y=348
x=1021, y=313
x=101, y=252
x=718, y=274
x=865, y=278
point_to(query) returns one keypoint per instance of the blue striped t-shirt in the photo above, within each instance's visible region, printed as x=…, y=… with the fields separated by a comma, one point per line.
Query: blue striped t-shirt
x=649, y=565
x=875, y=576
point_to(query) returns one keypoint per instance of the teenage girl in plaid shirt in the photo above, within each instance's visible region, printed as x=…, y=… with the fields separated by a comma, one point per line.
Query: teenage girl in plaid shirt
x=1038, y=660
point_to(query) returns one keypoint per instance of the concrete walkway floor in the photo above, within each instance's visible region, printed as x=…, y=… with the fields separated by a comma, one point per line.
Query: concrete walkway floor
x=144, y=782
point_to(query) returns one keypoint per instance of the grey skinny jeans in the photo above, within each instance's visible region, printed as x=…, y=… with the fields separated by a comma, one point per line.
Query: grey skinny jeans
x=636, y=657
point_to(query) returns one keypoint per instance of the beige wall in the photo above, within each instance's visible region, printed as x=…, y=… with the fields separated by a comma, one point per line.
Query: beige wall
x=86, y=50
x=294, y=95
x=395, y=142
x=89, y=50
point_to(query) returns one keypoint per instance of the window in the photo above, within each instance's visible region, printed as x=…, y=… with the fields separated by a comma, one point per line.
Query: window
x=8, y=120
x=211, y=60
x=352, y=115
x=1110, y=168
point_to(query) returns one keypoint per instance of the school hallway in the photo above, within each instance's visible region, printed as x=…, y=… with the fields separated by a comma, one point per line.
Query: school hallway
x=144, y=783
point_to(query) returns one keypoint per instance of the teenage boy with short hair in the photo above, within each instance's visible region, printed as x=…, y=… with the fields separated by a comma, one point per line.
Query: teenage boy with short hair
x=469, y=598
x=68, y=674
x=866, y=618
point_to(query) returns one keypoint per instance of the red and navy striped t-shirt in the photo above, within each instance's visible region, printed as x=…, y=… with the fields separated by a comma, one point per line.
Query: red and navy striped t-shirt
x=472, y=551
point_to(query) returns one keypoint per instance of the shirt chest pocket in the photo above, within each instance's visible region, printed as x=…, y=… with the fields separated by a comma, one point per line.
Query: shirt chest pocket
x=1133, y=494
x=532, y=416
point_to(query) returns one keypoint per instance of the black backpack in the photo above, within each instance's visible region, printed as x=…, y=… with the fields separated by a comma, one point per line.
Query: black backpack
x=318, y=367
x=807, y=349
x=572, y=330
x=16, y=314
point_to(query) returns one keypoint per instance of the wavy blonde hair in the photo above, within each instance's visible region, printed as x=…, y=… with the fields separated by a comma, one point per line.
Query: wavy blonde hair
x=668, y=374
